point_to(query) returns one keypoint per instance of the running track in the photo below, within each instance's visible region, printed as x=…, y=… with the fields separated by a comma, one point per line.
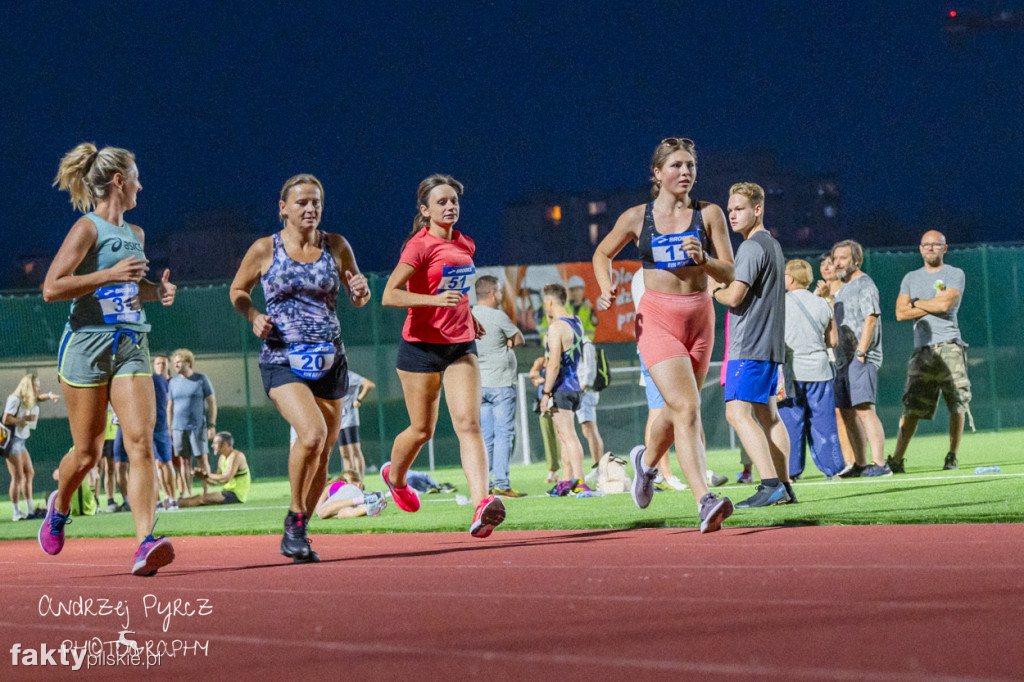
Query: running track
x=920, y=603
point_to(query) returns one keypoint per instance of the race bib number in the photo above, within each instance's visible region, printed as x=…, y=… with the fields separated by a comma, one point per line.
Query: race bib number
x=457, y=278
x=120, y=303
x=311, y=361
x=667, y=250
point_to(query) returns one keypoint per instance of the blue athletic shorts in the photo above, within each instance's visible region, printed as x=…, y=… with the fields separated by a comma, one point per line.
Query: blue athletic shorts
x=752, y=381
x=162, y=446
x=655, y=401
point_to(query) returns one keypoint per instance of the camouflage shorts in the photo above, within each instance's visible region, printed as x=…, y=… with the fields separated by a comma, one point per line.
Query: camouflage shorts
x=941, y=367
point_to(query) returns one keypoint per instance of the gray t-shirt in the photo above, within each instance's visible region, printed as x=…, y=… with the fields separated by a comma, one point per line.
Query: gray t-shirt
x=350, y=413
x=806, y=351
x=497, y=361
x=934, y=327
x=757, y=326
x=853, y=302
x=188, y=395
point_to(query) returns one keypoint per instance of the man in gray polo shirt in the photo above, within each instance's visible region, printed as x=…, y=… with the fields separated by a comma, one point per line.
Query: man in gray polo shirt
x=858, y=357
x=498, y=378
x=931, y=297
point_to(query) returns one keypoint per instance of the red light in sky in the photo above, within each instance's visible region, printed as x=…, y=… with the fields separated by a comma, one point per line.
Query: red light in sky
x=952, y=13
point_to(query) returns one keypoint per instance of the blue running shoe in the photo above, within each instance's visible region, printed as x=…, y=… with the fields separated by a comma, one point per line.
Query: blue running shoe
x=766, y=497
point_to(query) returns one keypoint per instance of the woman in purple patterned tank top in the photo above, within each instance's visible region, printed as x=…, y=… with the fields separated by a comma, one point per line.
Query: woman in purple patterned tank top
x=302, y=360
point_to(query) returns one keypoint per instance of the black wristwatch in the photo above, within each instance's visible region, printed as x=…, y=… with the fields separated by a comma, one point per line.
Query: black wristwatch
x=860, y=353
x=912, y=302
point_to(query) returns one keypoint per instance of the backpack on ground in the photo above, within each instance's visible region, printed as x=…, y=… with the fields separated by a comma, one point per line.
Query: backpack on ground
x=611, y=474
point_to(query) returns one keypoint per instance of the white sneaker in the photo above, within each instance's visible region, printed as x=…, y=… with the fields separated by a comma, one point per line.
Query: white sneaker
x=675, y=483
x=172, y=505
x=592, y=476
x=18, y=515
x=715, y=481
x=111, y=507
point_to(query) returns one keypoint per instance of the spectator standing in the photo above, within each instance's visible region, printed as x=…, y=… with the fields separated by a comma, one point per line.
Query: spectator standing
x=192, y=412
x=809, y=407
x=858, y=357
x=826, y=288
x=757, y=346
x=498, y=377
x=931, y=296
x=579, y=306
x=348, y=436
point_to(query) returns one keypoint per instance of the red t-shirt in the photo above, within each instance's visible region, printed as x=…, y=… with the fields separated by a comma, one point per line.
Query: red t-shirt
x=440, y=265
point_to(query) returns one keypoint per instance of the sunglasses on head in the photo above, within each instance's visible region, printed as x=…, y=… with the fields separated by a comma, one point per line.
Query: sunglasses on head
x=679, y=142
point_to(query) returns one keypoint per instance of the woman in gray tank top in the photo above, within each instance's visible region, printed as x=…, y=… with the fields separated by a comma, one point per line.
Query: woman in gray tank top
x=104, y=355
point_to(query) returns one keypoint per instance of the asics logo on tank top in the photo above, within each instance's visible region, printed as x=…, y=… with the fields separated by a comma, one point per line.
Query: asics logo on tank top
x=116, y=244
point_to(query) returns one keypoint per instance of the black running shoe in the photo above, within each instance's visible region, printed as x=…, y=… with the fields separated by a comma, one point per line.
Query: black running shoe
x=852, y=471
x=294, y=543
x=951, y=462
x=792, y=494
x=766, y=497
x=899, y=467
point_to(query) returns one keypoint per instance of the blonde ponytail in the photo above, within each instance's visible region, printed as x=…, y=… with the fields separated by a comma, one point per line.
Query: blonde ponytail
x=86, y=173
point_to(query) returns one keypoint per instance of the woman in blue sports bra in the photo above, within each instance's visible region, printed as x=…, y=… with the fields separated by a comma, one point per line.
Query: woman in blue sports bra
x=682, y=242
x=302, y=360
x=103, y=354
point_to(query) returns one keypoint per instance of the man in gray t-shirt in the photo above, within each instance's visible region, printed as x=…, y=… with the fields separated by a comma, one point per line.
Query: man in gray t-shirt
x=757, y=346
x=498, y=378
x=858, y=357
x=931, y=297
x=189, y=395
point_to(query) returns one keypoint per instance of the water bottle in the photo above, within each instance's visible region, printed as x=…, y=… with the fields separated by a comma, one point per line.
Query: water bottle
x=590, y=493
x=987, y=470
x=462, y=500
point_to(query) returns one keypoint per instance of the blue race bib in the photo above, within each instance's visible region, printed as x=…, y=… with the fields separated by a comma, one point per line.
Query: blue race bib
x=456, y=278
x=667, y=250
x=120, y=302
x=311, y=360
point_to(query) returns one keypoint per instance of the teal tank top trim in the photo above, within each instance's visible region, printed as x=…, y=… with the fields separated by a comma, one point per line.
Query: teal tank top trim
x=113, y=306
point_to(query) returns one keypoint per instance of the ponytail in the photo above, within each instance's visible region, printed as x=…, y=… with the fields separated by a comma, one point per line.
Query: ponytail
x=86, y=174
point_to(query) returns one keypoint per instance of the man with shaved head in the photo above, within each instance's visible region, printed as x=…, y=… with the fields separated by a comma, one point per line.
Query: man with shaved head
x=931, y=297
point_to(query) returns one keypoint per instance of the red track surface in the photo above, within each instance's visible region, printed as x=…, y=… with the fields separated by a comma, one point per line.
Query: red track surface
x=830, y=603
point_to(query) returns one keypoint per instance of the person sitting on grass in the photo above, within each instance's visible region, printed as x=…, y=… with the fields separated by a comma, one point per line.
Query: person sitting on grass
x=232, y=472
x=343, y=498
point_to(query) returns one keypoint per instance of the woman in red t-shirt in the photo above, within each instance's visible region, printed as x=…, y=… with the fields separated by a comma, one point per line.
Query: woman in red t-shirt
x=432, y=279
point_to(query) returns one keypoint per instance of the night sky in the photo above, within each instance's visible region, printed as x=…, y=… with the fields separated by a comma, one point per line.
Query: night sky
x=222, y=101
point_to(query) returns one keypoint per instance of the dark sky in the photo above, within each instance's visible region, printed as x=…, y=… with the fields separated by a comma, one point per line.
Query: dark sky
x=222, y=101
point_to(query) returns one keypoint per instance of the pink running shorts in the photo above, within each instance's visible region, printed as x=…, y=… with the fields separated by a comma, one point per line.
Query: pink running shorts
x=676, y=325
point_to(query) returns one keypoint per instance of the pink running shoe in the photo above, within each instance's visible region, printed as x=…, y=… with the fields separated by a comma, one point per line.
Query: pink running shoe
x=489, y=513
x=405, y=497
x=153, y=554
x=51, y=533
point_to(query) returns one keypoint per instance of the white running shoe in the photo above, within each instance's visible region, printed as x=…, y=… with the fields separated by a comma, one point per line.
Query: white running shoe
x=675, y=483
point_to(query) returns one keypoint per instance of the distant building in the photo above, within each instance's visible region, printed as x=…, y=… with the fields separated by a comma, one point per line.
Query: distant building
x=803, y=210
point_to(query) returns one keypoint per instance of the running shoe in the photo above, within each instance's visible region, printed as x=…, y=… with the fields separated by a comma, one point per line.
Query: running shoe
x=18, y=514
x=447, y=488
x=676, y=484
x=375, y=503
x=506, y=492
x=642, y=488
x=172, y=505
x=51, y=532
x=152, y=555
x=124, y=506
x=593, y=475
x=714, y=480
x=792, y=493
x=294, y=543
x=874, y=470
x=405, y=497
x=713, y=510
x=581, y=487
x=899, y=467
x=661, y=484
x=489, y=514
x=552, y=477
x=159, y=505
x=950, y=462
x=111, y=506
x=851, y=471
x=744, y=477
x=766, y=496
